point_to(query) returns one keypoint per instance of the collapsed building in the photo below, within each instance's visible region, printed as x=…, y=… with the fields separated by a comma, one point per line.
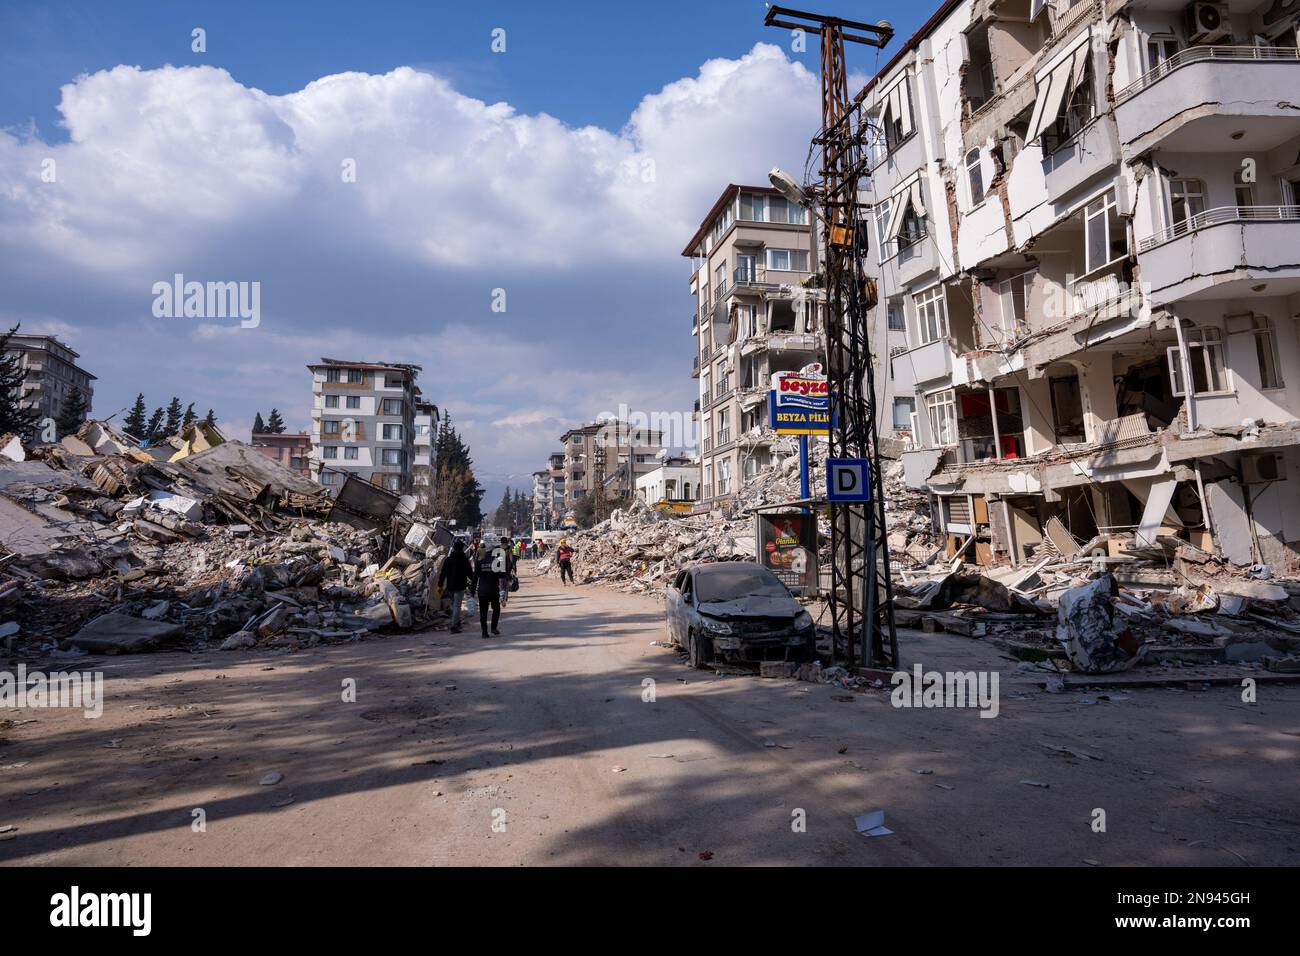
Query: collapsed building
x=1086, y=232
x=113, y=546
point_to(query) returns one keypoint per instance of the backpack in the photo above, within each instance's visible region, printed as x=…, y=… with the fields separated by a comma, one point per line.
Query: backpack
x=499, y=562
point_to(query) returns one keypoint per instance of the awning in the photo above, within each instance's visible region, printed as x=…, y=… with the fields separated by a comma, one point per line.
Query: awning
x=907, y=195
x=1056, y=86
x=898, y=104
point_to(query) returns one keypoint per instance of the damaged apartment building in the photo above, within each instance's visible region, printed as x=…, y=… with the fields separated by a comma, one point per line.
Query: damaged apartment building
x=755, y=314
x=1086, y=241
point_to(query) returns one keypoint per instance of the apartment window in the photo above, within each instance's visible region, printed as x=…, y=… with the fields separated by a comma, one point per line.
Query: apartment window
x=1205, y=355
x=911, y=231
x=724, y=426
x=724, y=476
x=1160, y=49
x=333, y=375
x=392, y=482
x=391, y=456
x=331, y=401
x=745, y=269
x=895, y=320
x=896, y=118
x=1078, y=109
x=392, y=432
x=904, y=409
x=330, y=426
x=1104, y=237
x=941, y=408
x=329, y=451
x=882, y=223
x=931, y=315
x=787, y=260
x=1245, y=192
x=1186, y=202
x=351, y=401
x=975, y=177
x=351, y=453
x=355, y=376
x=1265, y=334
x=1013, y=293
x=330, y=478
x=392, y=406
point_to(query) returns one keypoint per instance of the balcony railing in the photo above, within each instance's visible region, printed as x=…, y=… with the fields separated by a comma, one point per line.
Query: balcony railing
x=1218, y=216
x=1196, y=54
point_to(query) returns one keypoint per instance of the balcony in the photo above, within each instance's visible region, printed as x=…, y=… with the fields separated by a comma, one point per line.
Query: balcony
x=1089, y=154
x=930, y=362
x=1221, y=91
x=1222, y=252
x=695, y=367
x=912, y=261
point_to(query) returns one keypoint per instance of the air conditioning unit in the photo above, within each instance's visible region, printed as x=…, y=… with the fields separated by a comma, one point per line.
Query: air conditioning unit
x=1261, y=469
x=1208, y=23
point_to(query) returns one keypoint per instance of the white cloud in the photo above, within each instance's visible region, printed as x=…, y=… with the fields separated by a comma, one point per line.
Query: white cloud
x=188, y=170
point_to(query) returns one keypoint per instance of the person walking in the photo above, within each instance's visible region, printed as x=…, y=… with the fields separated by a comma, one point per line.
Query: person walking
x=565, y=557
x=507, y=564
x=487, y=588
x=454, y=578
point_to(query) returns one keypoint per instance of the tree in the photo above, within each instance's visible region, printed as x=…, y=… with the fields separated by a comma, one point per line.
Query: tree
x=503, y=517
x=189, y=418
x=14, y=415
x=135, y=422
x=455, y=492
x=153, y=431
x=275, y=424
x=173, y=421
x=259, y=426
x=210, y=418
x=72, y=413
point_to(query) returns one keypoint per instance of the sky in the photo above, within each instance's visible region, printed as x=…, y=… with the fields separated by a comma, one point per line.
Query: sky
x=390, y=181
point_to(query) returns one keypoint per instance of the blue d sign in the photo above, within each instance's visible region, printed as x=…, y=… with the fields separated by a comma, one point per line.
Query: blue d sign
x=848, y=479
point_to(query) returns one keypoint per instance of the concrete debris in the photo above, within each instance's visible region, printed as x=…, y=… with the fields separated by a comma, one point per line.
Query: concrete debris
x=202, y=541
x=1087, y=628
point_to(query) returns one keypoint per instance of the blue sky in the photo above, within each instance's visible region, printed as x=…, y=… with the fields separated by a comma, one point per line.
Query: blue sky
x=524, y=170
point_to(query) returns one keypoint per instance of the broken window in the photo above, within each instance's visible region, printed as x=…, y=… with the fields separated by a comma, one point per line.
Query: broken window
x=1261, y=328
x=975, y=177
x=941, y=408
x=1013, y=294
x=906, y=216
x=1067, y=409
x=1064, y=97
x=931, y=315
x=882, y=217
x=1205, y=356
x=896, y=117
x=1186, y=202
x=904, y=409
x=1105, y=240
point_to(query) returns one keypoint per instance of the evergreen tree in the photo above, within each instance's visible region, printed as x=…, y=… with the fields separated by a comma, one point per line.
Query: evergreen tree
x=275, y=424
x=172, y=424
x=259, y=426
x=72, y=413
x=456, y=492
x=135, y=422
x=153, y=431
x=14, y=416
x=210, y=418
x=189, y=418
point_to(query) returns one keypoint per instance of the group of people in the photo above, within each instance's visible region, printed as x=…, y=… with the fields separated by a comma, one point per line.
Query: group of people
x=486, y=573
x=490, y=574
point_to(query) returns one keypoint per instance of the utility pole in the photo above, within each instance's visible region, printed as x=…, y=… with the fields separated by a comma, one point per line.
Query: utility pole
x=861, y=601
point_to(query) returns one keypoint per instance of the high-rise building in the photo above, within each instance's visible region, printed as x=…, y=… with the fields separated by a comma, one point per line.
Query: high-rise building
x=50, y=373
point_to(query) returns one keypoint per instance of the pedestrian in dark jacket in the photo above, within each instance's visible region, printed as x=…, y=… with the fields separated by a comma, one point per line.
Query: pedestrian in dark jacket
x=511, y=563
x=454, y=578
x=487, y=587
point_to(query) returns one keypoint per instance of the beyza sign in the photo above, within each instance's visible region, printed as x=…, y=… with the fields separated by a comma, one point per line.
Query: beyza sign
x=800, y=402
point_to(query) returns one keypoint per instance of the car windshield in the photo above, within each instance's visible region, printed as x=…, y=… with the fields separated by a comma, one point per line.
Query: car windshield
x=733, y=581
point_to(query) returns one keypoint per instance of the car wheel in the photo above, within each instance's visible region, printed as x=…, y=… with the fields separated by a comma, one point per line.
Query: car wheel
x=699, y=650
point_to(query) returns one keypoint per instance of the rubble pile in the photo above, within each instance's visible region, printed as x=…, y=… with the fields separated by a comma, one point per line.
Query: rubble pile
x=112, y=548
x=639, y=549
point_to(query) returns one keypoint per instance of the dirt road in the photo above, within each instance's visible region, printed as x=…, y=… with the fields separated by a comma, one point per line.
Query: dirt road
x=537, y=747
